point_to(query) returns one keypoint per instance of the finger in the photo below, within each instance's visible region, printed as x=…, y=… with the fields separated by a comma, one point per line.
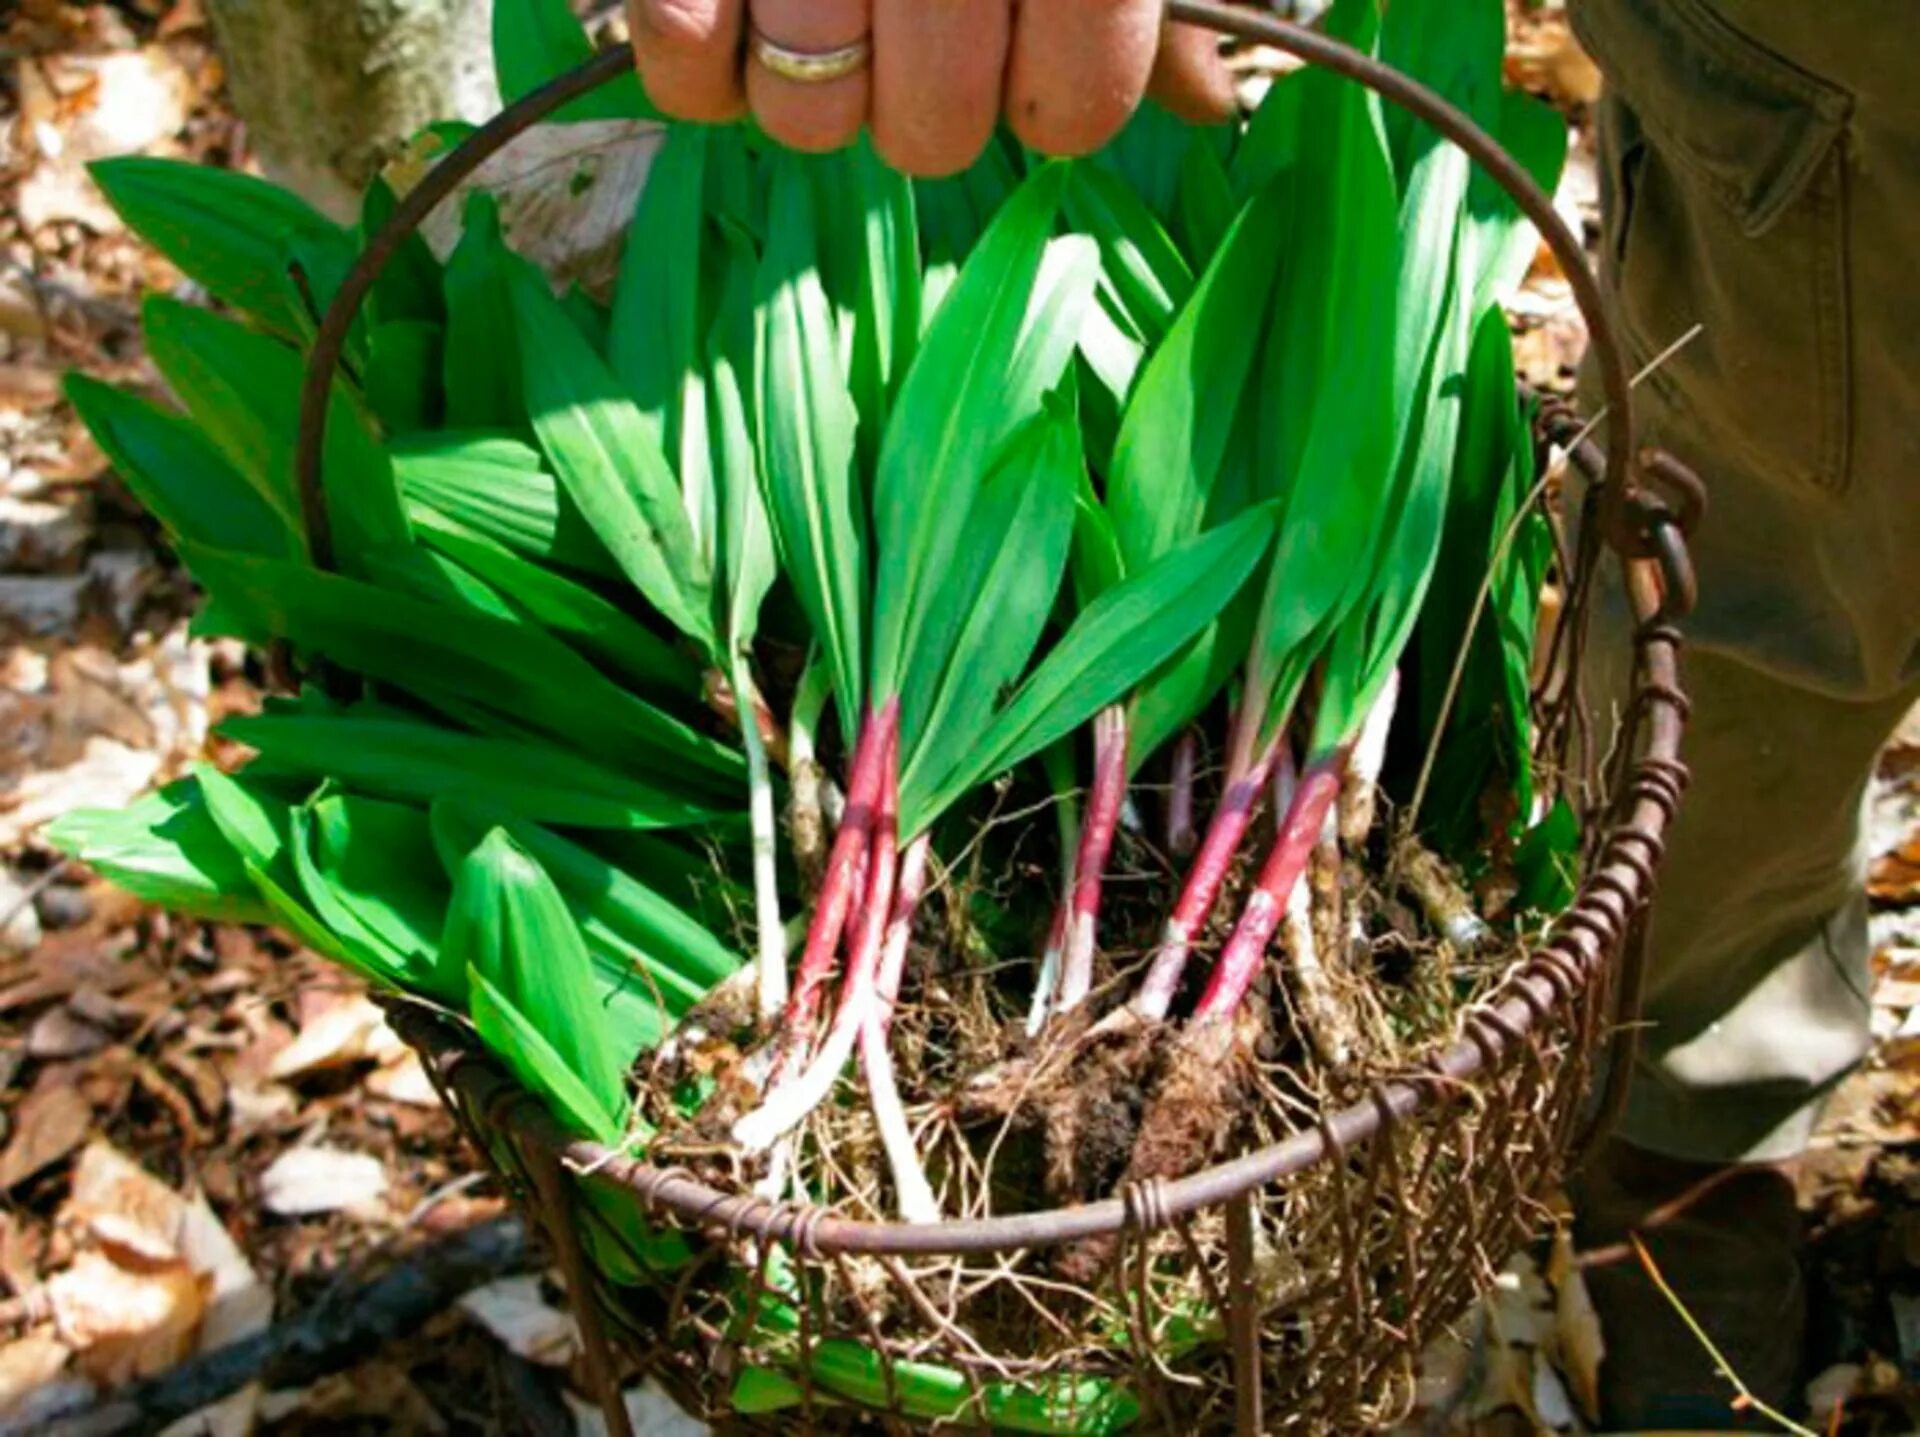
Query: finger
x=688, y=52
x=809, y=114
x=937, y=68
x=1079, y=67
x=1190, y=75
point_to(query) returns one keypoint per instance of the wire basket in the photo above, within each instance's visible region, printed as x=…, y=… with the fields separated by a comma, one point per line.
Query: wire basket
x=1289, y=1289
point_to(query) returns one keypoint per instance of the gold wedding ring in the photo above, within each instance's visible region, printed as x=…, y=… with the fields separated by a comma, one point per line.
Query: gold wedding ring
x=810, y=67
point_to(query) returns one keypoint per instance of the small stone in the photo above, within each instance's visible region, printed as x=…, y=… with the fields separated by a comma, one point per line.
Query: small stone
x=56, y=1033
x=63, y=907
x=19, y=923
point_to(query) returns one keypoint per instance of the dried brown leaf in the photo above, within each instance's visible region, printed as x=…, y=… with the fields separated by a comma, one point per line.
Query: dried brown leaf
x=50, y=1122
x=125, y=1324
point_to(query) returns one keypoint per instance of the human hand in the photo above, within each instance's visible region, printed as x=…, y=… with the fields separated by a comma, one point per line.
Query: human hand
x=928, y=77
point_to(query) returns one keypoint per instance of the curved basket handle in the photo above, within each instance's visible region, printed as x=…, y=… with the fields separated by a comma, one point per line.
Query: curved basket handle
x=1634, y=522
x=1628, y=534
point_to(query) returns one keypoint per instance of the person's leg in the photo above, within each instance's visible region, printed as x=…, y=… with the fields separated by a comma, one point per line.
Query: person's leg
x=1761, y=168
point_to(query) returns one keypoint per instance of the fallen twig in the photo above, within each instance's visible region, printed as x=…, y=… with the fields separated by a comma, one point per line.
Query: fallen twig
x=326, y=1338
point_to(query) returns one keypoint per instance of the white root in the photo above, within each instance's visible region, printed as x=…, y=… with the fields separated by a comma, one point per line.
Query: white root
x=1442, y=897
x=1324, y=1020
x=911, y=1188
x=788, y=1105
x=1046, y=982
x=1360, y=788
x=770, y=935
x=912, y=1191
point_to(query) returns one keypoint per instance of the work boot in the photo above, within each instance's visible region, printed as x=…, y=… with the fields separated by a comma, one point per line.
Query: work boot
x=1728, y=1241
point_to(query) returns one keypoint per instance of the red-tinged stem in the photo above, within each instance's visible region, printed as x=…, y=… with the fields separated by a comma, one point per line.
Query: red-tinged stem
x=1097, y=828
x=791, y=1100
x=1239, y=961
x=864, y=782
x=1181, y=837
x=1205, y=878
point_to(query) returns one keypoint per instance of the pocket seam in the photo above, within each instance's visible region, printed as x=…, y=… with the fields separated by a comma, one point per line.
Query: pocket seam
x=1826, y=105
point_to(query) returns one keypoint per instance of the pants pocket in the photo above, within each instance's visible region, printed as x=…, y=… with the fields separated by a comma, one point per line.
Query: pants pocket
x=1726, y=174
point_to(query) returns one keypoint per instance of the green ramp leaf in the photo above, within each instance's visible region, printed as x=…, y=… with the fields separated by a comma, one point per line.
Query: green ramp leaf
x=601, y=449
x=231, y=233
x=1000, y=341
x=509, y=929
x=807, y=437
x=535, y=41
x=181, y=478
x=164, y=848
x=1118, y=640
x=399, y=758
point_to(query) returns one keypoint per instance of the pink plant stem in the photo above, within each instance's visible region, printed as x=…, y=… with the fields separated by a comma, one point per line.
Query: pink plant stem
x=837, y=888
x=1299, y=830
x=1205, y=877
x=796, y=1094
x=1096, y=845
x=1181, y=838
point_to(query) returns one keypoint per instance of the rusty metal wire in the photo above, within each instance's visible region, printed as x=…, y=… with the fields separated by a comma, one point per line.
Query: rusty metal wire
x=1283, y=1290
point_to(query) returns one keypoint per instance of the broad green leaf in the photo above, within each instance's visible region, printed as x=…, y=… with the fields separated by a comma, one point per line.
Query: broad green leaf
x=1501, y=242
x=1175, y=432
x=807, y=425
x=1547, y=862
x=1001, y=340
x=403, y=374
x=164, y=848
x=494, y=485
x=428, y=574
x=610, y=898
x=596, y=627
x=1147, y=274
x=1095, y=559
x=537, y=1063
x=181, y=478
x=243, y=390
x=409, y=288
x=229, y=232
x=1116, y=642
x=870, y=267
x=1456, y=47
x=1327, y=428
x=535, y=41
x=1147, y=156
x=1429, y=357
x=512, y=669
x=644, y=982
x=259, y=827
x=1086, y=1407
x=1486, y=736
x=954, y=212
x=400, y=759
x=1004, y=580
x=378, y=859
x=509, y=926
x=745, y=543
x=653, y=344
x=481, y=361
x=1205, y=205
x=600, y=450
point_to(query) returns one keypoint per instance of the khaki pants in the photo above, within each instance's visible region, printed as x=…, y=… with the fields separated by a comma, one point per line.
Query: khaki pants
x=1761, y=177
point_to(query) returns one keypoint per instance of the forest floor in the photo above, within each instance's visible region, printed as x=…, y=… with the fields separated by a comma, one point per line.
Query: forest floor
x=204, y=1131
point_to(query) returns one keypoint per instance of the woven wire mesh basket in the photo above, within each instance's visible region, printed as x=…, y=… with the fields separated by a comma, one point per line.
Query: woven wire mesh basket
x=1288, y=1289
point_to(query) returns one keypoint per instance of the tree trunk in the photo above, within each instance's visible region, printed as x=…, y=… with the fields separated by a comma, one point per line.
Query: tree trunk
x=331, y=91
